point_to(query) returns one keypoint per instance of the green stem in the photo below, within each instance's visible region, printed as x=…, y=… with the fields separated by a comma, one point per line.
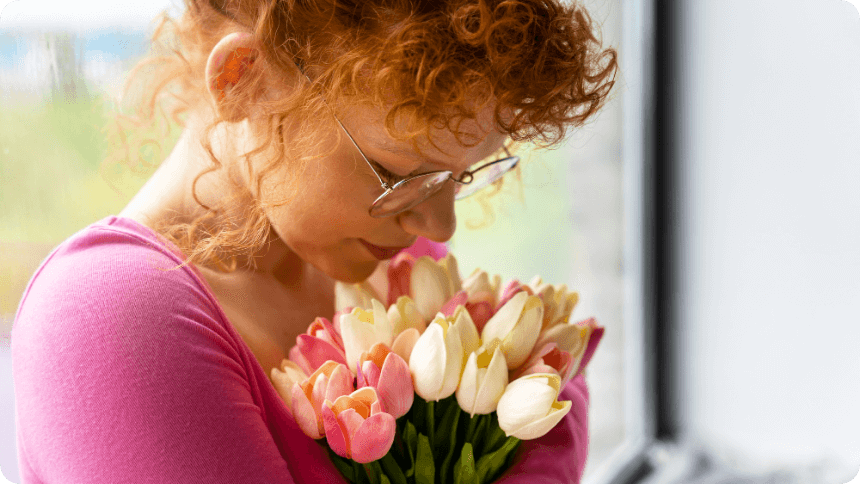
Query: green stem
x=431, y=421
x=473, y=422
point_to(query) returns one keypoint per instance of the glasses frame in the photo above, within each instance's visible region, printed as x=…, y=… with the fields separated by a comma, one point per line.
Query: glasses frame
x=466, y=178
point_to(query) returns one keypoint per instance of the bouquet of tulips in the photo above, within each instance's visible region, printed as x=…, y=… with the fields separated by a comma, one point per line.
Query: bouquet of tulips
x=442, y=382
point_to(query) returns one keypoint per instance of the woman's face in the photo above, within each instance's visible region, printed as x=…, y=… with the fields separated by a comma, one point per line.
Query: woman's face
x=327, y=223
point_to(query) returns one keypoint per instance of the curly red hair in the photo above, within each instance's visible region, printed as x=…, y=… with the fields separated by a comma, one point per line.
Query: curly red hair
x=428, y=63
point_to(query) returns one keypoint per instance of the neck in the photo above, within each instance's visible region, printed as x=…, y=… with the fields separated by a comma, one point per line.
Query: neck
x=167, y=197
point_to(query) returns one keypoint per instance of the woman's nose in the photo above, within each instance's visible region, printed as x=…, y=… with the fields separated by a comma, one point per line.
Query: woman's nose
x=433, y=218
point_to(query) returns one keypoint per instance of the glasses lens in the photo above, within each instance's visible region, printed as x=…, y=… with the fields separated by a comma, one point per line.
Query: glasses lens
x=408, y=193
x=486, y=176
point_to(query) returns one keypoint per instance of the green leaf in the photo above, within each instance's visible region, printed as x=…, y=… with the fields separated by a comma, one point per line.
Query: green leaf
x=494, y=436
x=392, y=469
x=419, y=417
x=478, y=434
x=343, y=465
x=431, y=422
x=360, y=474
x=425, y=468
x=449, y=424
x=410, y=437
x=464, y=468
x=384, y=479
x=490, y=464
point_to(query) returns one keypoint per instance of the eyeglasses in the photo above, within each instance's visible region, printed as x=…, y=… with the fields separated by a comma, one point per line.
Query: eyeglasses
x=411, y=191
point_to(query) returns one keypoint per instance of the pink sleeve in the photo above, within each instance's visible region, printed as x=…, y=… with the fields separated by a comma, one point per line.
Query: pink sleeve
x=560, y=455
x=124, y=373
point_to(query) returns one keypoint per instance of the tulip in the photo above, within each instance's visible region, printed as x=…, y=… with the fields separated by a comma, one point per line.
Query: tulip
x=403, y=314
x=361, y=329
x=329, y=382
x=405, y=342
x=284, y=377
x=484, y=379
x=436, y=360
x=388, y=373
x=548, y=359
x=516, y=325
x=399, y=273
x=483, y=295
x=356, y=427
x=432, y=283
x=510, y=290
x=580, y=340
x=558, y=302
x=529, y=407
x=348, y=296
x=469, y=336
x=321, y=343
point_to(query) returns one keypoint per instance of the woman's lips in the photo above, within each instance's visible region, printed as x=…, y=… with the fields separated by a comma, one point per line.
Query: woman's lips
x=381, y=253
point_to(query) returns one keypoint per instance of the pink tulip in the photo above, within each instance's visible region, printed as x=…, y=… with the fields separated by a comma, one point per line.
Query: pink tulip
x=510, y=291
x=329, y=382
x=321, y=343
x=356, y=427
x=548, y=359
x=459, y=299
x=399, y=275
x=388, y=373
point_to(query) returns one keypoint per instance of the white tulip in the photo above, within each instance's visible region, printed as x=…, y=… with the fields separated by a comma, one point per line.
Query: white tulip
x=529, y=407
x=361, y=329
x=516, y=325
x=433, y=283
x=483, y=382
x=468, y=332
x=284, y=377
x=353, y=295
x=404, y=315
x=558, y=302
x=436, y=360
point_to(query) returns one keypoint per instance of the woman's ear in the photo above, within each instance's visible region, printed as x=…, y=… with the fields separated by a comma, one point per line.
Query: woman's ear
x=228, y=63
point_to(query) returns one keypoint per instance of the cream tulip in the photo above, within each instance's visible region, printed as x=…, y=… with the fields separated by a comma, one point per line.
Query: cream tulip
x=353, y=295
x=516, y=325
x=580, y=340
x=433, y=283
x=284, y=377
x=529, y=407
x=558, y=302
x=437, y=360
x=484, y=379
x=404, y=314
x=361, y=329
x=468, y=333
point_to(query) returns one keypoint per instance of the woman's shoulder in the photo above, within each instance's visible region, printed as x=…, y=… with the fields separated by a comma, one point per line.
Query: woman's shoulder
x=113, y=275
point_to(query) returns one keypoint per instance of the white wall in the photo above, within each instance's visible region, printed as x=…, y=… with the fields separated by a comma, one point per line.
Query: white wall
x=769, y=293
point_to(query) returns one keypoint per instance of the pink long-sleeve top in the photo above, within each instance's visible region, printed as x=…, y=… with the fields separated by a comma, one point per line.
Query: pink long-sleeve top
x=125, y=372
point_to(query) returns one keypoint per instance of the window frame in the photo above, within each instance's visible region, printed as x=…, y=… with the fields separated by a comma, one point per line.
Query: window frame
x=649, y=202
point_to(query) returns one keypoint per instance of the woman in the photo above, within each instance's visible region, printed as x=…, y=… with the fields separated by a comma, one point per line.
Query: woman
x=142, y=346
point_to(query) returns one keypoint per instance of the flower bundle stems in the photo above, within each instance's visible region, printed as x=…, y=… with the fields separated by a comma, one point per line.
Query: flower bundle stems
x=437, y=442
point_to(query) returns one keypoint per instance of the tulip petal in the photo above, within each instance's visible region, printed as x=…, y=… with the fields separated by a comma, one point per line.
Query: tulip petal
x=459, y=299
x=304, y=413
x=505, y=318
x=405, y=342
x=467, y=390
x=373, y=438
x=317, y=351
x=427, y=362
x=541, y=426
x=339, y=383
x=493, y=386
x=593, y=341
x=526, y=400
x=429, y=287
x=334, y=432
x=370, y=374
x=399, y=273
x=395, y=388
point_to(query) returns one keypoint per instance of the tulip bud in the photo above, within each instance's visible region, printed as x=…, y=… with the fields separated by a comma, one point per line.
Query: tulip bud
x=580, y=340
x=484, y=379
x=548, y=359
x=433, y=283
x=284, y=377
x=357, y=428
x=404, y=314
x=436, y=360
x=468, y=333
x=361, y=329
x=330, y=381
x=389, y=374
x=529, y=407
x=321, y=343
x=516, y=325
x=353, y=295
